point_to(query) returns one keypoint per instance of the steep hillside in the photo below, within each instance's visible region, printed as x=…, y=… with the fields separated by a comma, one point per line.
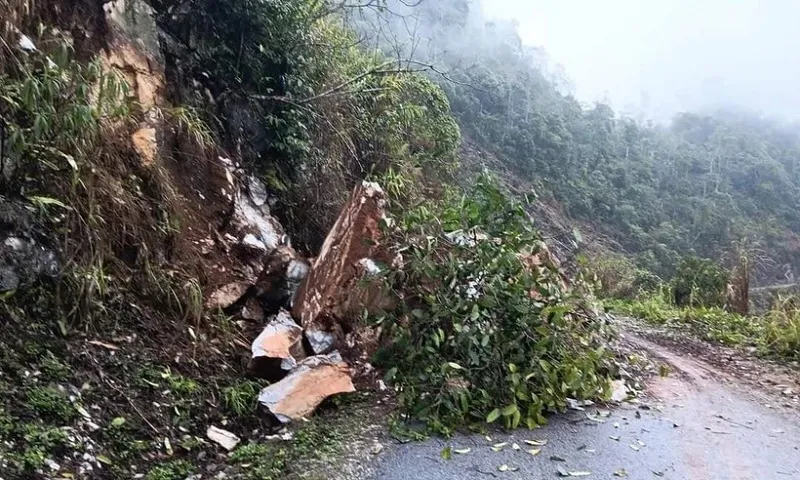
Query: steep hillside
x=662, y=192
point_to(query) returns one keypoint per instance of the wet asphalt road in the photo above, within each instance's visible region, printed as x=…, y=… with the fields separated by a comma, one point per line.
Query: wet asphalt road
x=697, y=424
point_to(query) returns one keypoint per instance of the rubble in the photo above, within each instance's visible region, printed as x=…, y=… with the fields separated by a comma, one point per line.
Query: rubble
x=226, y=295
x=280, y=340
x=23, y=260
x=321, y=342
x=252, y=310
x=312, y=381
x=283, y=272
x=332, y=295
x=250, y=218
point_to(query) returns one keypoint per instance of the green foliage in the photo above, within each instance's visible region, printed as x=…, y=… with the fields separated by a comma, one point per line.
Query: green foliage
x=699, y=282
x=479, y=333
x=51, y=403
x=782, y=329
x=54, y=106
x=172, y=470
x=241, y=398
x=260, y=461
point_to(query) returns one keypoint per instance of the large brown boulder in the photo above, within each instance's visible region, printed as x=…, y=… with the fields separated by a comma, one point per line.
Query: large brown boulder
x=333, y=294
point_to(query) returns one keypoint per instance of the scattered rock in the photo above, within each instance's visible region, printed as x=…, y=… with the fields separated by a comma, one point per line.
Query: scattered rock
x=226, y=296
x=281, y=339
x=226, y=439
x=619, y=391
x=253, y=242
x=257, y=191
x=313, y=380
x=283, y=272
x=256, y=220
x=23, y=260
x=332, y=295
x=146, y=145
x=252, y=310
x=321, y=342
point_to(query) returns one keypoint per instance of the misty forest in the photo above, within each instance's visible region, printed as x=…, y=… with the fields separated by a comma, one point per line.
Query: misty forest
x=308, y=239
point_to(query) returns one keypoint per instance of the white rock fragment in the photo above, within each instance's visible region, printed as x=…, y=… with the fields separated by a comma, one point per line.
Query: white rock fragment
x=26, y=43
x=224, y=438
x=619, y=391
x=253, y=242
x=321, y=342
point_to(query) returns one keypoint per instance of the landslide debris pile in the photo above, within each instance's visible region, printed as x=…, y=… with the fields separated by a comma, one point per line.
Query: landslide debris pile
x=157, y=321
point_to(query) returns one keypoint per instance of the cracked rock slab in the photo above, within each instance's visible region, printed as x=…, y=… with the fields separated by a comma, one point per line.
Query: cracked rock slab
x=312, y=381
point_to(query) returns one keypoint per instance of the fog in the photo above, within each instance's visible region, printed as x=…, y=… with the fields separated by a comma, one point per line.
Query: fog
x=656, y=58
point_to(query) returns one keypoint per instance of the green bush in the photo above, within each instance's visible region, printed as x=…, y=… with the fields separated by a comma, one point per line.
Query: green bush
x=480, y=335
x=782, y=330
x=699, y=282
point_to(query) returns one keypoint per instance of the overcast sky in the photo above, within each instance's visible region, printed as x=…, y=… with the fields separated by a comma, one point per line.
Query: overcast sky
x=663, y=56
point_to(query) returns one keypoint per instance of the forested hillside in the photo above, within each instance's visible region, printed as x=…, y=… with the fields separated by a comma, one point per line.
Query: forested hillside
x=661, y=192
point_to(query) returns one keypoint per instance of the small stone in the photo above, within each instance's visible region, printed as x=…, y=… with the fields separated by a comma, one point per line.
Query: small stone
x=376, y=449
x=321, y=341
x=224, y=438
x=26, y=43
x=279, y=339
x=257, y=191
x=253, y=242
x=226, y=296
x=619, y=391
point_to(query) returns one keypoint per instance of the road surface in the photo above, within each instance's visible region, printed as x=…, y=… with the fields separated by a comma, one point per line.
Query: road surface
x=698, y=423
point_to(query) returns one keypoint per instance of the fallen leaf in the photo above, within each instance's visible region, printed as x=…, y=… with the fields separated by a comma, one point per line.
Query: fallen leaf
x=503, y=468
x=621, y=473
x=556, y=458
x=658, y=474
x=535, y=451
x=462, y=451
x=118, y=422
x=579, y=473
x=616, y=439
x=104, y=459
x=635, y=448
x=595, y=419
x=446, y=453
x=497, y=449
x=103, y=344
x=536, y=443
x=488, y=438
x=168, y=446
x=500, y=445
x=515, y=446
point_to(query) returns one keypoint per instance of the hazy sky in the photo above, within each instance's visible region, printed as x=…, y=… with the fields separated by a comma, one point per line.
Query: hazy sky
x=663, y=56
